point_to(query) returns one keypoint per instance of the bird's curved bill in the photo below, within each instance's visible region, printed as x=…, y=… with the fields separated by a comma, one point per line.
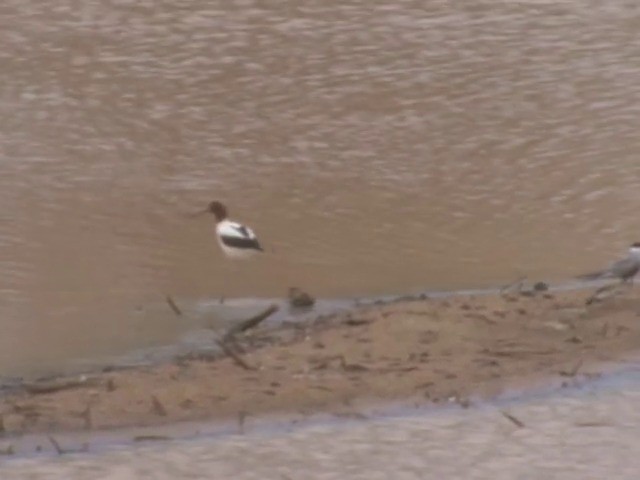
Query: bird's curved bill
x=198, y=213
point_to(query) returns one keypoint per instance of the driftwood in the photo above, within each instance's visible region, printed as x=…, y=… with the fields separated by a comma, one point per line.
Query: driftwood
x=227, y=340
x=56, y=445
x=594, y=424
x=50, y=386
x=234, y=356
x=61, y=451
x=230, y=346
x=249, y=323
x=150, y=438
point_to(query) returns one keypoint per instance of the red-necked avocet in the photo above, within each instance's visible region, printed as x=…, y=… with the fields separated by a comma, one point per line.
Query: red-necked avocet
x=236, y=240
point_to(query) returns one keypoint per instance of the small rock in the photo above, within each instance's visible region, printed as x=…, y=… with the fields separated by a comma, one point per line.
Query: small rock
x=158, y=408
x=541, y=287
x=556, y=325
x=8, y=451
x=355, y=322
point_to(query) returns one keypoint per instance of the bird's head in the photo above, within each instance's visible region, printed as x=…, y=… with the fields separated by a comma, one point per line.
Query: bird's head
x=218, y=209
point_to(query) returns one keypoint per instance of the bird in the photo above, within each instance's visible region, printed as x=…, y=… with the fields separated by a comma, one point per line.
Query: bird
x=300, y=299
x=624, y=269
x=236, y=240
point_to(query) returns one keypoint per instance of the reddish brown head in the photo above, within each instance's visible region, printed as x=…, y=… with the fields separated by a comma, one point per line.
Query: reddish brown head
x=219, y=210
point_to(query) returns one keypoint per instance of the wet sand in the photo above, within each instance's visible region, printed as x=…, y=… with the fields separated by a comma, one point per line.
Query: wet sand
x=584, y=433
x=415, y=350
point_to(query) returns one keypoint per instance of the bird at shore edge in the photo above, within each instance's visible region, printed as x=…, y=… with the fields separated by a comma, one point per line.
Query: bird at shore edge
x=624, y=269
x=236, y=240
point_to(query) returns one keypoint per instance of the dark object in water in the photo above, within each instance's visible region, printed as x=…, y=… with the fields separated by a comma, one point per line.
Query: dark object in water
x=300, y=299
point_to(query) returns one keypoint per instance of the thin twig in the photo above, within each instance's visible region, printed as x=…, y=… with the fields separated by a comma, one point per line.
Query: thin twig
x=56, y=445
x=603, y=289
x=150, y=438
x=173, y=306
x=57, y=384
x=512, y=419
x=86, y=416
x=242, y=415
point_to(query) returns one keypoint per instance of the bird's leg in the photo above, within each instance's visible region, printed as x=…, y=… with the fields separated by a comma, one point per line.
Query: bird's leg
x=610, y=289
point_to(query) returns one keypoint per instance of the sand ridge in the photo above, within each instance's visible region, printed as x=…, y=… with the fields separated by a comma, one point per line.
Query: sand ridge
x=419, y=350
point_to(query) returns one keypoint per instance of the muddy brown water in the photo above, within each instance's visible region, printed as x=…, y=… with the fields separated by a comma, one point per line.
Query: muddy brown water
x=374, y=148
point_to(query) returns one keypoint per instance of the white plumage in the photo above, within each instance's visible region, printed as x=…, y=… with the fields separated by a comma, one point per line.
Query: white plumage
x=235, y=240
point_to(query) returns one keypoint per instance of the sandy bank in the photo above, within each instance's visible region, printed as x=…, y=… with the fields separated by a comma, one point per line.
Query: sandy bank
x=418, y=350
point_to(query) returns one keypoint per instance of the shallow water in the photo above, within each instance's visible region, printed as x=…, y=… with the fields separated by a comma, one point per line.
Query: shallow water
x=374, y=149
x=590, y=433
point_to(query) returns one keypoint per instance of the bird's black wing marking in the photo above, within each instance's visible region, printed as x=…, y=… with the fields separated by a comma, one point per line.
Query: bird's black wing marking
x=242, y=230
x=241, y=242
